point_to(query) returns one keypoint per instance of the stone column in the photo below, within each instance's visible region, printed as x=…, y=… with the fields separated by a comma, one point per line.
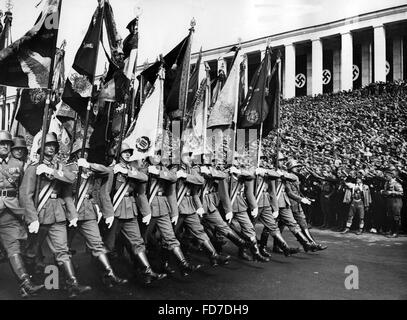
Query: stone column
x=317, y=54
x=289, y=90
x=379, y=53
x=347, y=61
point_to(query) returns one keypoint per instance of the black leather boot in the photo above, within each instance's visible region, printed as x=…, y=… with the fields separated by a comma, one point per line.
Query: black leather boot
x=148, y=274
x=263, y=245
x=308, y=246
x=73, y=287
x=279, y=242
x=110, y=279
x=256, y=253
x=165, y=262
x=236, y=240
x=319, y=246
x=27, y=288
x=214, y=258
x=185, y=267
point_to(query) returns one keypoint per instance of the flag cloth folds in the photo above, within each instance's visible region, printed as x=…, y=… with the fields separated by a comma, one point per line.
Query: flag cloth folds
x=224, y=111
x=255, y=107
x=31, y=111
x=273, y=119
x=79, y=84
x=27, y=62
x=175, y=70
x=147, y=130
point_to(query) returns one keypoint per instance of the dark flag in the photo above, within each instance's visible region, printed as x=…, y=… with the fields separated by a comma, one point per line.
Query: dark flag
x=26, y=63
x=175, y=63
x=272, y=122
x=260, y=105
x=31, y=111
x=79, y=84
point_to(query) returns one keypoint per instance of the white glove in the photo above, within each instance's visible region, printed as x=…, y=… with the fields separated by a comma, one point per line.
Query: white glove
x=229, y=216
x=43, y=168
x=260, y=171
x=200, y=212
x=205, y=170
x=34, y=226
x=147, y=219
x=118, y=168
x=98, y=212
x=275, y=214
x=153, y=170
x=109, y=221
x=305, y=201
x=255, y=212
x=73, y=222
x=181, y=174
x=83, y=163
x=174, y=220
x=234, y=170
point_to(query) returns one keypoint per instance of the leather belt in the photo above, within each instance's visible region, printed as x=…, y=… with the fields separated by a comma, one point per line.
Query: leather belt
x=8, y=193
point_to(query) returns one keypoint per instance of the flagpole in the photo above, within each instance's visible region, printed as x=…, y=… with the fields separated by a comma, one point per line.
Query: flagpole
x=17, y=104
x=278, y=142
x=207, y=101
x=75, y=124
x=46, y=111
x=184, y=107
x=89, y=106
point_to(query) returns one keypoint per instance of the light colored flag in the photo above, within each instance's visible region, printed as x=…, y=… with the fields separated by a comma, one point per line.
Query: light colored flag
x=224, y=112
x=145, y=133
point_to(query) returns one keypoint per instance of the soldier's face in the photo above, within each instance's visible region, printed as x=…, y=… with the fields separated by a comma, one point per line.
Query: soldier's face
x=49, y=150
x=4, y=148
x=18, y=153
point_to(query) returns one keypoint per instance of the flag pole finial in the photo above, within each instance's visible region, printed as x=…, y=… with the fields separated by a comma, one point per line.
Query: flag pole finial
x=193, y=24
x=9, y=5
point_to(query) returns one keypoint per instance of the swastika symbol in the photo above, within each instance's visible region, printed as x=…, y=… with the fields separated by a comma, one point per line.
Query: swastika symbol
x=300, y=80
x=387, y=67
x=355, y=72
x=326, y=76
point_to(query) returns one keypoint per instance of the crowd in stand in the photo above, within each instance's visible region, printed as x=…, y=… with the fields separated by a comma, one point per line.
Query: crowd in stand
x=340, y=137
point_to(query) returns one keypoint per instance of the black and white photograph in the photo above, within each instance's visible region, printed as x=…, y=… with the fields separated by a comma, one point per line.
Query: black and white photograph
x=204, y=152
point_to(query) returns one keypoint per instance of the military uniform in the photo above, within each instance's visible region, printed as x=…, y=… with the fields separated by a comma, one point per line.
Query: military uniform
x=215, y=195
x=12, y=231
x=243, y=199
x=128, y=194
x=189, y=203
x=393, y=193
x=56, y=205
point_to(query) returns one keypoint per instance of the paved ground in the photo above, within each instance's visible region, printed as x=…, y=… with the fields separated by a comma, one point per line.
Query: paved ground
x=381, y=263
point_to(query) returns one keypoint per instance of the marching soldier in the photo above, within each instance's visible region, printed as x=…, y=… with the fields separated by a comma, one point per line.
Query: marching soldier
x=393, y=193
x=48, y=218
x=190, y=208
x=164, y=212
x=215, y=195
x=94, y=181
x=128, y=194
x=242, y=199
x=12, y=230
x=296, y=199
x=19, y=149
x=285, y=217
x=268, y=211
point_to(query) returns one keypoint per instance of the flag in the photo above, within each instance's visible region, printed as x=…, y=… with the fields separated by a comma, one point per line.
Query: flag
x=79, y=84
x=147, y=130
x=176, y=65
x=5, y=40
x=31, y=110
x=27, y=62
x=224, y=111
x=273, y=119
x=193, y=134
x=255, y=107
x=193, y=88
